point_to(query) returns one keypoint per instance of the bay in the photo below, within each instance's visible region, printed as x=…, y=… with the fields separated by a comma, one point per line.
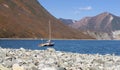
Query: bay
x=75, y=46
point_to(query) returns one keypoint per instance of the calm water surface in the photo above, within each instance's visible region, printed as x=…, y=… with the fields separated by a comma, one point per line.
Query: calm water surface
x=76, y=46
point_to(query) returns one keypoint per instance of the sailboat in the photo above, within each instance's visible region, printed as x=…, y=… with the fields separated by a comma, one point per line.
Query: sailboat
x=49, y=42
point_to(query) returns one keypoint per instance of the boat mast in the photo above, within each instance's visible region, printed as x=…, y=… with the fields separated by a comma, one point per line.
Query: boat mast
x=49, y=30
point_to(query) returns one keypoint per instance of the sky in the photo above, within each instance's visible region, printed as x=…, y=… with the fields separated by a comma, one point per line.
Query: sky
x=78, y=9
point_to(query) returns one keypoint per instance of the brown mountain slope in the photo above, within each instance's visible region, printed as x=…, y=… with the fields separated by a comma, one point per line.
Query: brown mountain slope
x=28, y=19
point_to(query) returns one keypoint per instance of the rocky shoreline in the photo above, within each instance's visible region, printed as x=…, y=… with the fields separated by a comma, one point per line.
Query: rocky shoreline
x=50, y=59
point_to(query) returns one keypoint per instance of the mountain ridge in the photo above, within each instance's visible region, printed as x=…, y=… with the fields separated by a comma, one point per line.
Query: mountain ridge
x=102, y=26
x=104, y=22
x=29, y=19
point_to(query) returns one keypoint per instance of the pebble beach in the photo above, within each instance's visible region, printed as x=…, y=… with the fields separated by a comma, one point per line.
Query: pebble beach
x=50, y=59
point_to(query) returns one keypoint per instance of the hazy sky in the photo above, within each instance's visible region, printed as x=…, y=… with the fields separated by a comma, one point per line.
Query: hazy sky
x=77, y=9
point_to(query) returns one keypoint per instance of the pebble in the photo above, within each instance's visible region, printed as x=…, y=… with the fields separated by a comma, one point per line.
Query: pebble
x=50, y=59
x=3, y=68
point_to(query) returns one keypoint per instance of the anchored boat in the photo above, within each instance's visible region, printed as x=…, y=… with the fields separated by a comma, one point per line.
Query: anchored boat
x=49, y=42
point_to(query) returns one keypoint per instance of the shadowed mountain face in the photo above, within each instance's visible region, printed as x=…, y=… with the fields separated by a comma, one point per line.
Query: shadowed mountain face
x=67, y=21
x=28, y=19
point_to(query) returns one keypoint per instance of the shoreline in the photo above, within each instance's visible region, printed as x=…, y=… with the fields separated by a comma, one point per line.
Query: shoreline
x=40, y=39
x=44, y=39
x=50, y=59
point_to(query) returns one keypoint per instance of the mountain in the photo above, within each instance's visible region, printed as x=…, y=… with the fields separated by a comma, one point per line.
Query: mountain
x=67, y=21
x=28, y=19
x=104, y=26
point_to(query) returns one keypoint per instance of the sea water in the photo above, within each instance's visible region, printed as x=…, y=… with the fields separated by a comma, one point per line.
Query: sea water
x=75, y=46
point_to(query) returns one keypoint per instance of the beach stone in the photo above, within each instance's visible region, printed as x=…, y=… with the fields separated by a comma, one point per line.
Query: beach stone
x=51, y=49
x=22, y=59
x=49, y=68
x=61, y=68
x=17, y=67
x=34, y=68
x=94, y=68
x=3, y=68
x=7, y=64
x=99, y=61
x=1, y=60
x=2, y=54
x=22, y=50
x=8, y=61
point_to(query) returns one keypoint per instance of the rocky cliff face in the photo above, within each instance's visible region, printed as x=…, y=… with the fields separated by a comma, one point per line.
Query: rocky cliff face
x=28, y=19
x=104, y=25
